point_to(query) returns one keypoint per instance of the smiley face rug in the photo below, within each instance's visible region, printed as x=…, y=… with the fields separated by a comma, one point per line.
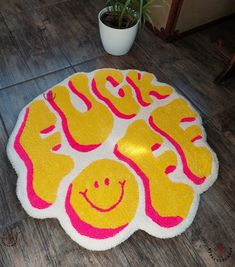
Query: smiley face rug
x=110, y=152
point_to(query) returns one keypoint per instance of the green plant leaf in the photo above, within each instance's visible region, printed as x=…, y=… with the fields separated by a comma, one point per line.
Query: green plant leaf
x=128, y=12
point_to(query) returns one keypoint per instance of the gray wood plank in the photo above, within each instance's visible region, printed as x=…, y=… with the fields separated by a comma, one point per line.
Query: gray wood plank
x=139, y=250
x=75, y=29
x=129, y=61
x=16, y=97
x=16, y=6
x=211, y=227
x=52, y=79
x=12, y=6
x=10, y=208
x=23, y=245
x=39, y=50
x=20, y=95
x=225, y=184
x=225, y=123
x=65, y=252
x=223, y=31
x=200, y=49
x=12, y=66
x=186, y=74
x=142, y=249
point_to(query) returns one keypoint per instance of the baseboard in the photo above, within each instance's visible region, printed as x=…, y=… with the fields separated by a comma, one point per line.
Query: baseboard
x=173, y=35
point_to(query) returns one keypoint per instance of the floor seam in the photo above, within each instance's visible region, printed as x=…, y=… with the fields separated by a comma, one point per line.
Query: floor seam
x=34, y=78
x=87, y=61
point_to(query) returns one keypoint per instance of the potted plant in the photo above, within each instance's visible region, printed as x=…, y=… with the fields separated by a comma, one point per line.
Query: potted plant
x=119, y=22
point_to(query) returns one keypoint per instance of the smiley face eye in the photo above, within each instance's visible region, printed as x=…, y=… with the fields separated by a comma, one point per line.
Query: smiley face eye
x=106, y=181
x=96, y=184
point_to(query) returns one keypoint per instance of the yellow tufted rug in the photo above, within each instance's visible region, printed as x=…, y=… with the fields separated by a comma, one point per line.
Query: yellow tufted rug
x=110, y=152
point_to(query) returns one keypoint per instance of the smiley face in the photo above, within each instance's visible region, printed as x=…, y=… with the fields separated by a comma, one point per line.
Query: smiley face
x=100, y=191
x=104, y=195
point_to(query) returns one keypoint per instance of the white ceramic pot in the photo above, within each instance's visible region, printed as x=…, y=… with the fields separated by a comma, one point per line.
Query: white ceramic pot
x=116, y=42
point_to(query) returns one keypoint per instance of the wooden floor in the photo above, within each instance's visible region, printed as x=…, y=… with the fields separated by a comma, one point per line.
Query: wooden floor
x=44, y=41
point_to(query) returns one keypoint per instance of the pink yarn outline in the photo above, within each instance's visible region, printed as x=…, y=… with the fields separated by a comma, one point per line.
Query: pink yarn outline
x=73, y=143
x=84, y=228
x=84, y=194
x=196, y=179
x=48, y=129
x=109, y=103
x=139, y=95
x=35, y=200
x=86, y=101
x=150, y=211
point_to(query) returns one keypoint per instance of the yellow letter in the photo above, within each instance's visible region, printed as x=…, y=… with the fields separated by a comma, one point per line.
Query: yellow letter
x=37, y=147
x=196, y=160
x=87, y=130
x=124, y=106
x=167, y=202
x=142, y=84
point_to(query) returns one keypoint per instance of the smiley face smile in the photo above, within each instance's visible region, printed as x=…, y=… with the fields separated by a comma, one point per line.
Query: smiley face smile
x=84, y=194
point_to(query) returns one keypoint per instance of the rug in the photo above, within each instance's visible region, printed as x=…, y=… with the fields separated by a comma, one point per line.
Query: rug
x=110, y=152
